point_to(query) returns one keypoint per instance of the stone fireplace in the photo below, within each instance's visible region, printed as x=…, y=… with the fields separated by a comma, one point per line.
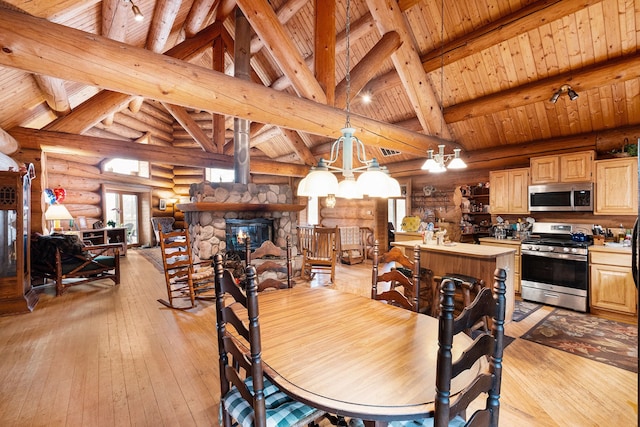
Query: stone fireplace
x=214, y=207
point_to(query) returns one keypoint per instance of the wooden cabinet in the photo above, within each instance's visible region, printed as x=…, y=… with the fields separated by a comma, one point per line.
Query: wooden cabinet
x=612, y=291
x=573, y=167
x=509, y=191
x=512, y=244
x=617, y=186
x=16, y=293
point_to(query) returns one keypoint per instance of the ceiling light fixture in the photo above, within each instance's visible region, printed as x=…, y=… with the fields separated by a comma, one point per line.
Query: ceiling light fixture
x=137, y=15
x=437, y=162
x=573, y=95
x=373, y=180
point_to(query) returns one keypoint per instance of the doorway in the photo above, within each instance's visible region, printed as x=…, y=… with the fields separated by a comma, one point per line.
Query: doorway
x=129, y=206
x=122, y=209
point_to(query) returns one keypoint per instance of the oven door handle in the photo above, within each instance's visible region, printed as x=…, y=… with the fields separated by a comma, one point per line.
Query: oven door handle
x=555, y=255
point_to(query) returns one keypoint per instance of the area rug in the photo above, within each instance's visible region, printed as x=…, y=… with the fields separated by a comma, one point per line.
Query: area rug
x=602, y=340
x=153, y=256
x=523, y=308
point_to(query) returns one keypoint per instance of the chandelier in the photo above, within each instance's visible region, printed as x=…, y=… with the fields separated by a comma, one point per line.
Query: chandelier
x=373, y=180
x=437, y=162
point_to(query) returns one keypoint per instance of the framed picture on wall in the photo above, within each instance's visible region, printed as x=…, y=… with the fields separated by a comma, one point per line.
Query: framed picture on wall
x=81, y=223
x=163, y=204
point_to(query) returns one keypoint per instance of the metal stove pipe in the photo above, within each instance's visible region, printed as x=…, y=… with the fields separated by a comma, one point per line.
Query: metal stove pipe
x=242, y=56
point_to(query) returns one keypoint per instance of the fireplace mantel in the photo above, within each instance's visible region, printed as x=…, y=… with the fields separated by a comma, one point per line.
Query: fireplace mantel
x=217, y=206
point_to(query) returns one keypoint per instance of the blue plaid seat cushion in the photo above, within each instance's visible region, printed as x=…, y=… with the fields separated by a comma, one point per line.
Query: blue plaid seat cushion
x=457, y=421
x=282, y=411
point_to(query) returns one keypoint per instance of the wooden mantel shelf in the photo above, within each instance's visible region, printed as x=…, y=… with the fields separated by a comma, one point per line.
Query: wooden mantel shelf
x=212, y=206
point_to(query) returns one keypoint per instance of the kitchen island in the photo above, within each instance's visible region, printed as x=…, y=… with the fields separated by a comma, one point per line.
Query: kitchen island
x=472, y=260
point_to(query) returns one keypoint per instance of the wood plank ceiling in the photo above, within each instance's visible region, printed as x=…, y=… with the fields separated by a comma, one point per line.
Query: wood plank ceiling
x=474, y=74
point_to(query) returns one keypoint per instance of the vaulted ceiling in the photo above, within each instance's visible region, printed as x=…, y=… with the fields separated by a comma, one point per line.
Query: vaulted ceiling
x=467, y=73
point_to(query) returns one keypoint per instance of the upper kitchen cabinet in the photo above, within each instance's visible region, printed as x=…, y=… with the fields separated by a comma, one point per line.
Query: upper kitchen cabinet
x=572, y=167
x=617, y=186
x=509, y=191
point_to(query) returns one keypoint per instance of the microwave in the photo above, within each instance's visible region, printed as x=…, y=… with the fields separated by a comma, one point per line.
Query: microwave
x=561, y=197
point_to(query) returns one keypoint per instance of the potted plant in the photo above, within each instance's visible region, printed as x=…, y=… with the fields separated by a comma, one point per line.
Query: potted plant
x=111, y=223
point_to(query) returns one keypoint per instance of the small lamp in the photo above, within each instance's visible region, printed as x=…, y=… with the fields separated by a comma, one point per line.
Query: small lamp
x=55, y=213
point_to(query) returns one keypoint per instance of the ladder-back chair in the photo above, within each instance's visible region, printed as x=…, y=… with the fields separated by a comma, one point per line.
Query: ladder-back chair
x=321, y=256
x=248, y=397
x=271, y=270
x=487, y=349
x=409, y=298
x=185, y=279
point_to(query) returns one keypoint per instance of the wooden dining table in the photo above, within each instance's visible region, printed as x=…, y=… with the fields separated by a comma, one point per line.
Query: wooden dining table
x=353, y=356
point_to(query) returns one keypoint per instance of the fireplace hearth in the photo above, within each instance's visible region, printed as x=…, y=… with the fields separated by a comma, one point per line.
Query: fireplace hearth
x=258, y=230
x=214, y=207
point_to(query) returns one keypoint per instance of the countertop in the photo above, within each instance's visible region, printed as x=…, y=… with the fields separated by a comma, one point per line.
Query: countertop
x=467, y=249
x=509, y=241
x=615, y=248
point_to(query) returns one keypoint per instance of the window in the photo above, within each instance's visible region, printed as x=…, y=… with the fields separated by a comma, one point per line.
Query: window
x=312, y=211
x=219, y=175
x=397, y=211
x=127, y=167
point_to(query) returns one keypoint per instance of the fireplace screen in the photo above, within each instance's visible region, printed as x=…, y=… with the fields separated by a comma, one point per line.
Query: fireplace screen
x=259, y=230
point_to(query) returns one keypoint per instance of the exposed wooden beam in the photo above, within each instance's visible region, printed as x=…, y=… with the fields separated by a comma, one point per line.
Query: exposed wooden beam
x=265, y=23
x=199, y=15
x=105, y=103
x=324, y=37
x=364, y=70
x=163, y=17
x=388, y=17
x=81, y=145
x=114, y=19
x=360, y=28
x=513, y=25
x=8, y=143
x=299, y=147
x=55, y=94
x=284, y=14
x=506, y=156
x=190, y=125
x=37, y=45
x=594, y=76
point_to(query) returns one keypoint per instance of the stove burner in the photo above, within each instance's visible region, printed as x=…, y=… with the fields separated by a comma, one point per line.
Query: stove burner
x=559, y=242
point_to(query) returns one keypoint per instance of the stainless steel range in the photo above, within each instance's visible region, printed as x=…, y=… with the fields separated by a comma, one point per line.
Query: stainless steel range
x=555, y=267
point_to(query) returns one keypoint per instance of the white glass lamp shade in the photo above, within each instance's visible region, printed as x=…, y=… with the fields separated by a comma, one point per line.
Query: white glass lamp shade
x=302, y=188
x=57, y=212
x=430, y=163
x=457, y=162
x=438, y=168
x=373, y=183
x=394, y=189
x=321, y=183
x=349, y=189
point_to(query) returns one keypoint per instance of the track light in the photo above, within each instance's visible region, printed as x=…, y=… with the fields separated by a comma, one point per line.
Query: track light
x=137, y=15
x=573, y=95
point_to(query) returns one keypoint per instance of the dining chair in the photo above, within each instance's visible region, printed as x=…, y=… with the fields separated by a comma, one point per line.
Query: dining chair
x=248, y=397
x=185, y=279
x=466, y=287
x=383, y=272
x=486, y=349
x=271, y=271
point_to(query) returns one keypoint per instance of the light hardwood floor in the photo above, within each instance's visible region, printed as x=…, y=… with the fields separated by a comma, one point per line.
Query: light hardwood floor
x=113, y=356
